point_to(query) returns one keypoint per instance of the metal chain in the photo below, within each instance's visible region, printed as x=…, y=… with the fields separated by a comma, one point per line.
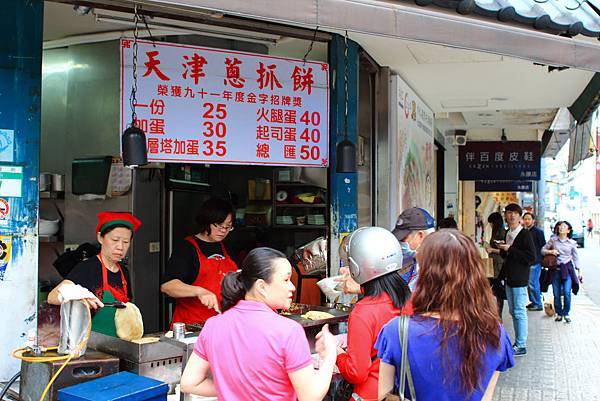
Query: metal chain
x=310, y=47
x=346, y=86
x=132, y=97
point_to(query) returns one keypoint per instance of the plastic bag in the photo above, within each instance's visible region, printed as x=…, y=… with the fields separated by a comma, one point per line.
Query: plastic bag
x=313, y=256
x=74, y=322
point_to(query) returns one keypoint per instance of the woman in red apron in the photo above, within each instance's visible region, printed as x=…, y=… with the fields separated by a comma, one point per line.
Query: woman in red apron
x=197, y=266
x=101, y=279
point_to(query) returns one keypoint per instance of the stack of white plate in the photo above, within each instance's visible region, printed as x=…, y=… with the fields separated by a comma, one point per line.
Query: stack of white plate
x=284, y=220
x=316, y=219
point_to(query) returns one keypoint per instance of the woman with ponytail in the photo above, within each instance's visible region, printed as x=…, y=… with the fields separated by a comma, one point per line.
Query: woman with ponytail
x=252, y=352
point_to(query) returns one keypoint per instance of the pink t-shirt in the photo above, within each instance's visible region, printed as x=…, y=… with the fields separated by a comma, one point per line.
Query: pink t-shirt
x=251, y=349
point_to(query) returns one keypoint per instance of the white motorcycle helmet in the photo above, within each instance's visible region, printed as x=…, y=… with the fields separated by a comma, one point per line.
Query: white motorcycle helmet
x=373, y=252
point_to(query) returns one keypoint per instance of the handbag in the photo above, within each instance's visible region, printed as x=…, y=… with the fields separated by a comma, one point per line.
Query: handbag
x=549, y=261
x=343, y=391
x=405, y=374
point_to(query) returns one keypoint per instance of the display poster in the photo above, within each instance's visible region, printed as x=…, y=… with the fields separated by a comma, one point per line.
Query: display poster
x=5, y=254
x=7, y=145
x=11, y=181
x=206, y=105
x=517, y=160
x=414, y=151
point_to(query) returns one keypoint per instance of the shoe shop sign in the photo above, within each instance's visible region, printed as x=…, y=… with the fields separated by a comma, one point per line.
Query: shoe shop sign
x=503, y=186
x=519, y=160
x=205, y=105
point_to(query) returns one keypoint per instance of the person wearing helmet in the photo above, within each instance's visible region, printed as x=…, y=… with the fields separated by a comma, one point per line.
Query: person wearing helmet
x=374, y=256
x=412, y=226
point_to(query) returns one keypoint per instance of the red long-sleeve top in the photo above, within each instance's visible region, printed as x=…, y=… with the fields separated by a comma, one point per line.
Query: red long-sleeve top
x=360, y=365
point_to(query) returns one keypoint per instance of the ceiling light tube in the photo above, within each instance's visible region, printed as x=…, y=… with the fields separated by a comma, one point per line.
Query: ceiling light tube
x=192, y=28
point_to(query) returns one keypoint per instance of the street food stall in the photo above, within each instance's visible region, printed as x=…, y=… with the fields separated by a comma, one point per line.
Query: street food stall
x=242, y=121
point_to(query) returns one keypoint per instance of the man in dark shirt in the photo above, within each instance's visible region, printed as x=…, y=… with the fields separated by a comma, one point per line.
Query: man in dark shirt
x=535, y=296
x=518, y=252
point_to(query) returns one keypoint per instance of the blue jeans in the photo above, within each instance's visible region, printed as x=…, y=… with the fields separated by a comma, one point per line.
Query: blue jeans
x=535, y=296
x=561, y=288
x=517, y=301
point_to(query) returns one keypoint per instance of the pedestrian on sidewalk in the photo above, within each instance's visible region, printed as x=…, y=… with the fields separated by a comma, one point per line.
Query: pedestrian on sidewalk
x=590, y=228
x=456, y=345
x=566, y=277
x=498, y=236
x=412, y=226
x=447, y=222
x=518, y=252
x=535, y=295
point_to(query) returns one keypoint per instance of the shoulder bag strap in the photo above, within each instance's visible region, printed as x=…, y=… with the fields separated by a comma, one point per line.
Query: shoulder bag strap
x=405, y=373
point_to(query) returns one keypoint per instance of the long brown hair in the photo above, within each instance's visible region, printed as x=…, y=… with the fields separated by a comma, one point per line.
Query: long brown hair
x=452, y=283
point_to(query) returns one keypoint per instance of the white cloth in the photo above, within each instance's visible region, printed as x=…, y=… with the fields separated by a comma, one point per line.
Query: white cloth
x=512, y=234
x=71, y=292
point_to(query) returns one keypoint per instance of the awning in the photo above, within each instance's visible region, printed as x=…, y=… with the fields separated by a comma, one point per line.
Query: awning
x=588, y=101
x=569, y=17
x=406, y=20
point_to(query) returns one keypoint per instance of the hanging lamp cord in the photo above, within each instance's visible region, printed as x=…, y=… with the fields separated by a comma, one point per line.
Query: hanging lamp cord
x=310, y=46
x=346, y=86
x=132, y=96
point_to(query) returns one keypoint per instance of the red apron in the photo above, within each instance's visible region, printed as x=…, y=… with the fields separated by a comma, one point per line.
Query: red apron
x=104, y=319
x=210, y=274
x=119, y=294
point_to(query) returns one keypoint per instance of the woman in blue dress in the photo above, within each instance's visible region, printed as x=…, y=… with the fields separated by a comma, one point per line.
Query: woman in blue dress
x=456, y=343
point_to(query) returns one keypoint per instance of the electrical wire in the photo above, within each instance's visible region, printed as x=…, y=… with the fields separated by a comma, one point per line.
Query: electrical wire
x=10, y=383
x=18, y=353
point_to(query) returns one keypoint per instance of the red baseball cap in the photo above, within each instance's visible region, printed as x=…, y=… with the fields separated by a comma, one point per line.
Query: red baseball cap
x=107, y=219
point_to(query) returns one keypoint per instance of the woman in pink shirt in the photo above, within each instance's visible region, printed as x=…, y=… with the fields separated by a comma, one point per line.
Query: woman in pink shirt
x=252, y=352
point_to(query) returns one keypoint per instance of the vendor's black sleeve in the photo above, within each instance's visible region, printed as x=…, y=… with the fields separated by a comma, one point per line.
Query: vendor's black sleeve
x=88, y=274
x=183, y=264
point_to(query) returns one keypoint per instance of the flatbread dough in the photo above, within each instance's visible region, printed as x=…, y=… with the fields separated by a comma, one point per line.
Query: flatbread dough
x=146, y=340
x=317, y=315
x=129, y=323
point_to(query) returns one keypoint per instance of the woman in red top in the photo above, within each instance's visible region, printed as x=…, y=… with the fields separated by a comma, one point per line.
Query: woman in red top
x=196, y=268
x=375, y=257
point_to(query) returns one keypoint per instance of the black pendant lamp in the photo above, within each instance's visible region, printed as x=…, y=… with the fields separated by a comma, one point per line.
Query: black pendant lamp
x=133, y=141
x=133, y=144
x=345, y=157
x=345, y=151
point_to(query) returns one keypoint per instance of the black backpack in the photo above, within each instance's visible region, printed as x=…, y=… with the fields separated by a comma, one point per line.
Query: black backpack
x=68, y=260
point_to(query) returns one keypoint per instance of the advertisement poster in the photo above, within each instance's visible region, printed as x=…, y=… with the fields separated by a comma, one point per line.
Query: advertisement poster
x=5, y=254
x=7, y=145
x=414, y=151
x=206, y=105
x=11, y=181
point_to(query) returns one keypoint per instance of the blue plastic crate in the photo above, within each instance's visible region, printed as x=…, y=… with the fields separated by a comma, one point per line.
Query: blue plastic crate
x=120, y=386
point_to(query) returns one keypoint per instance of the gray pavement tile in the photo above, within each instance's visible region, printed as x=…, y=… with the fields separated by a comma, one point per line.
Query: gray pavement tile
x=563, y=360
